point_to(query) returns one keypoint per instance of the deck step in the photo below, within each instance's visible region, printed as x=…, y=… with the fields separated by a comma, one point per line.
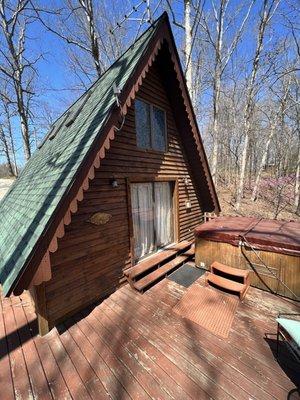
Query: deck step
x=181, y=246
x=227, y=284
x=236, y=272
x=159, y=258
x=159, y=273
x=190, y=252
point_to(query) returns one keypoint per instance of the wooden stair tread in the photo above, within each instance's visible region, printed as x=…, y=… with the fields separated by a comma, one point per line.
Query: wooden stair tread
x=156, y=259
x=185, y=244
x=151, y=262
x=158, y=273
x=226, y=283
x=190, y=252
x=229, y=270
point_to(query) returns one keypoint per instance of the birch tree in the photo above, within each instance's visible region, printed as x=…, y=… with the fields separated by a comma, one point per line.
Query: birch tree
x=295, y=29
x=84, y=26
x=190, y=27
x=188, y=46
x=297, y=129
x=268, y=9
x=16, y=63
x=7, y=140
x=275, y=118
x=297, y=183
x=222, y=22
x=7, y=147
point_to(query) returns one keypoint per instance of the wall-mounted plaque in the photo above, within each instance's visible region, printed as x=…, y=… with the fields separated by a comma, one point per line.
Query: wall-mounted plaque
x=99, y=218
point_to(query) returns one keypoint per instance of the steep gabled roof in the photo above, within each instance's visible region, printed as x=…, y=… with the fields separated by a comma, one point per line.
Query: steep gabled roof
x=39, y=203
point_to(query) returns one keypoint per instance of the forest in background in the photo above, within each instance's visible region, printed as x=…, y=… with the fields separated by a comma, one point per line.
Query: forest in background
x=241, y=60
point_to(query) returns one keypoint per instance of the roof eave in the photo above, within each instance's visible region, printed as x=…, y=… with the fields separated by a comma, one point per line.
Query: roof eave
x=31, y=265
x=163, y=31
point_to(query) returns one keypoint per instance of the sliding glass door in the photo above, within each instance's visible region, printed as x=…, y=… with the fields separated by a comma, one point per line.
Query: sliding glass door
x=143, y=219
x=152, y=215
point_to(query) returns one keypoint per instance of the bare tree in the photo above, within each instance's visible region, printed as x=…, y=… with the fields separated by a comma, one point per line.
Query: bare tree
x=7, y=140
x=87, y=7
x=188, y=46
x=190, y=28
x=222, y=22
x=269, y=7
x=16, y=65
x=84, y=26
x=275, y=118
x=297, y=129
x=5, y=149
x=297, y=183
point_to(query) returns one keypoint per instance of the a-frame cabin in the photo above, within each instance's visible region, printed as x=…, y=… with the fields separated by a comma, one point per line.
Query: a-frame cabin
x=114, y=182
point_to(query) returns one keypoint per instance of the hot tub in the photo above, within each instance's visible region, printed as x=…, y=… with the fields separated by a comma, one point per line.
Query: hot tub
x=252, y=243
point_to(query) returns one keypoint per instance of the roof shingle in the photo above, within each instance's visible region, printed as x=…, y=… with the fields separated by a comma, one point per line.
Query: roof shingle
x=28, y=206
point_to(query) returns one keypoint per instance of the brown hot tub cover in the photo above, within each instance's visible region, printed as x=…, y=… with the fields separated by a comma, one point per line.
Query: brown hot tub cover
x=263, y=234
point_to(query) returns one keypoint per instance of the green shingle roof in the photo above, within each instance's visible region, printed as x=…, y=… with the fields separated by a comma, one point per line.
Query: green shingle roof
x=26, y=209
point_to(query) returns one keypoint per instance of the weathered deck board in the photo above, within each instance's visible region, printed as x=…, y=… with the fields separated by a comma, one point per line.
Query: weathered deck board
x=206, y=360
x=5, y=367
x=208, y=343
x=132, y=346
x=21, y=380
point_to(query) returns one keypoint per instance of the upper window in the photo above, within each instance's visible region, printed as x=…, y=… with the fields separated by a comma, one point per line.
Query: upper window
x=150, y=122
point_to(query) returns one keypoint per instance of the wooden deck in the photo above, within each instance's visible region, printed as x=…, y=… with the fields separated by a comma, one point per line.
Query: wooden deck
x=131, y=346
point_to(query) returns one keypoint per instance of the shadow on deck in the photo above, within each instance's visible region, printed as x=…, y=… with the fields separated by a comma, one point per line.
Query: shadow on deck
x=132, y=346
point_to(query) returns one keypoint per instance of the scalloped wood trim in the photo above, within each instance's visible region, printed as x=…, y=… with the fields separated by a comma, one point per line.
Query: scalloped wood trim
x=43, y=272
x=192, y=122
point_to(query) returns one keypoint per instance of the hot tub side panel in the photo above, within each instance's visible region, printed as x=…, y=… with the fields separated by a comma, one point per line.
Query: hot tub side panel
x=287, y=267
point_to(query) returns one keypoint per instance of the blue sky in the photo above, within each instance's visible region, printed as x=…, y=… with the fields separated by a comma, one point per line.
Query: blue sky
x=55, y=80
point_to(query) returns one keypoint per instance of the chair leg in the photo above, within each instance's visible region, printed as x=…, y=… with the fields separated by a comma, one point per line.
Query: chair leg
x=277, y=345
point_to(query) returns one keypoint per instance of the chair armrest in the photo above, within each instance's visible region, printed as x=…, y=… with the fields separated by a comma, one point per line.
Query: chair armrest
x=290, y=314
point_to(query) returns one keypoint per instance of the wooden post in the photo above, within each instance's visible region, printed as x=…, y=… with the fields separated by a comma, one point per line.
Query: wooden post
x=41, y=309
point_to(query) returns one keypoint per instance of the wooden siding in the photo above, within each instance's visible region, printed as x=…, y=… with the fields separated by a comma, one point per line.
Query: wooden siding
x=90, y=259
x=285, y=266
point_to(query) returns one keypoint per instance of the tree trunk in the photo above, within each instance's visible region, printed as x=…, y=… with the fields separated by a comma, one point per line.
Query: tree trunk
x=297, y=185
x=89, y=13
x=217, y=89
x=266, y=13
x=250, y=162
x=10, y=137
x=6, y=151
x=297, y=182
x=24, y=125
x=215, y=151
x=255, y=191
x=188, y=47
x=241, y=183
x=13, y=152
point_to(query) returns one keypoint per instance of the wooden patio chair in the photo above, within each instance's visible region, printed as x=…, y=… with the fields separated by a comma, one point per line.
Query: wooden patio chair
x=288, y=329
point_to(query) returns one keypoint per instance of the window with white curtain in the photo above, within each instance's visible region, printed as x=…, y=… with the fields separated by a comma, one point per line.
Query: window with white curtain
x=152, y=216
x=150, y=123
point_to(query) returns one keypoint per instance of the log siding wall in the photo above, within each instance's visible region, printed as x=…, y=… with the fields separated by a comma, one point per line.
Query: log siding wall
x=90, y=259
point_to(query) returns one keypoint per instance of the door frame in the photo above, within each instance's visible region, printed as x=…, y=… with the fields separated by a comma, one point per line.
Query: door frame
x=175, y=204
